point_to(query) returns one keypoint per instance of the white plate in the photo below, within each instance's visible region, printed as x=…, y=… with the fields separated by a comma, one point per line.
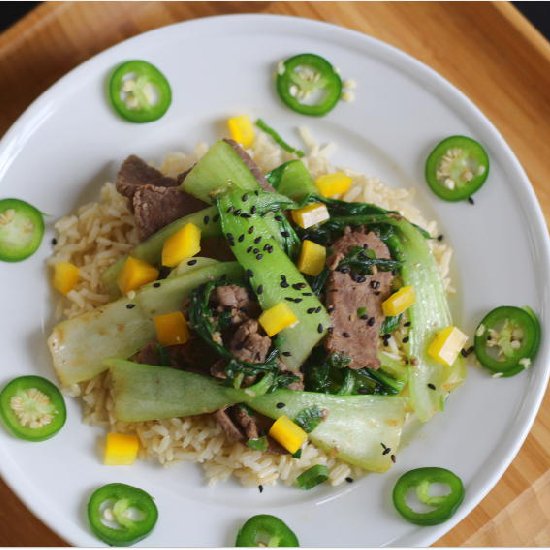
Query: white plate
x=69, y=142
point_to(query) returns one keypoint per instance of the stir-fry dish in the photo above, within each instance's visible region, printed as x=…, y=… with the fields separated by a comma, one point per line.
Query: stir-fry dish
x=255, y=309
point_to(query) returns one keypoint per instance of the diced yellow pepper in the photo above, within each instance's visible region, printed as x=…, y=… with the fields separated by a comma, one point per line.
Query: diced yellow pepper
x=135, y=273
x=310, y=215
x=398, y=302
x=120, y=449
x=446, y=345
x=171, y=329
x=288, y=434
x=65, y=277
x=241, y=130
x=185, y=243
x=312, y=258
x=277, y=318
x=333, y=185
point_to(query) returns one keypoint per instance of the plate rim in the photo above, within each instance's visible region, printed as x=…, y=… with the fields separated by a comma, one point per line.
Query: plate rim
x=420, y=72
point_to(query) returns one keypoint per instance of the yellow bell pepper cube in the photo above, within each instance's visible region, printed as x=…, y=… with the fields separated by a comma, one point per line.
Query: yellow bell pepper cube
x=183, y=244
x=277, y=318
x=446, y=345
x=288, y=434
x=241, y=130
x=171, y=328
x=312, y=258
x=120, y=449
x=135, y=273
x=333, y=185
x=310, y=215
x=398, y=302
x=65, y=277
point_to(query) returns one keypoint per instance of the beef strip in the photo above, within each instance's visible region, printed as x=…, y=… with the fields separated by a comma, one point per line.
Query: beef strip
x=155, y=200
x=248, y=345
x=232, y=431
x=135, y=172
x=232, y=296
x=357, y=338
x=252, y=166
x=240, y=424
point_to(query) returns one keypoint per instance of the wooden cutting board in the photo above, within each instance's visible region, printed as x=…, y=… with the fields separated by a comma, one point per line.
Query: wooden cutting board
x=488, y=50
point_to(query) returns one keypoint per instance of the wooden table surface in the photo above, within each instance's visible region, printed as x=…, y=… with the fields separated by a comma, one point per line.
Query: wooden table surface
x=487, y=50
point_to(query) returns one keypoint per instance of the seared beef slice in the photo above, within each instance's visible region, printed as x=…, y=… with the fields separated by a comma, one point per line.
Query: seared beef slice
x=353, y=336
x=154, y=199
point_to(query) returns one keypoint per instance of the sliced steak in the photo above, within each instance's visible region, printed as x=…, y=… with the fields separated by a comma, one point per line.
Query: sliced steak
x=155, y=200
x=155, y=207
x=232, y=296
x=231, y=430
x=147, y=355
x=252, y=166
x=353, y=336
x=248, y=345
x=240, y=424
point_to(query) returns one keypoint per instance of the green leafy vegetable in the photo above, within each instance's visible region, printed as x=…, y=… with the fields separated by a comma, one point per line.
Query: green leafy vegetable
x=308, y=419
x=258, y=444
x=390, y=324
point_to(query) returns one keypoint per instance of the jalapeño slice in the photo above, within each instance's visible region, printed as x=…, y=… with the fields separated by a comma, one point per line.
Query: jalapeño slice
x=121, y=515
x=421, y=480
x=507, y=339
x=265, y=530
x=32, y=408
x=309, y=84
x=139, y=92
x=21, y=230
x=457, y=168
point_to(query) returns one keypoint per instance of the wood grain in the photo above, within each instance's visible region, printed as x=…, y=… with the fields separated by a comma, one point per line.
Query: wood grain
x=488, y=50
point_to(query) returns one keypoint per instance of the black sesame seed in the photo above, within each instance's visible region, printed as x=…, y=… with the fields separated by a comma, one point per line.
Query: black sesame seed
x=310, y=310
x=257, y=240
x=259, y=256
x=229, y=236
x=249, y=249
x=286, y=354
x=256, y=192
x=360, y=279
x=375, y=284
x=364, y=317
x=260, y=289
x=285, y=234
x=299, y=286
x=130, y=306
x=330, y=330
x=383, y=446
x=393, y=459
x=249, y=273
x=268, y=247
x=241, y=238
x=251, y=230
x=431, y=386
x=191, y=262
x=255, y=250
x=320, y=328
x=156, y=285
x=245, y=215
x=471, y=201
x=349, y=480
x=371, y=321
x=279, y=218
x=244, y=198
x=261, y=488
x=230, y=209
x=289, y=299
x=206, y=219
x=318, y=309
x=386, y=451
x=407, y=324
x=280, y=405
x=405, y=339
x=440, y=238
x=253, y=209
x=54, y=241
x=237, y=212
x=345, y=334
x=330, y=308
x=307, y=293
